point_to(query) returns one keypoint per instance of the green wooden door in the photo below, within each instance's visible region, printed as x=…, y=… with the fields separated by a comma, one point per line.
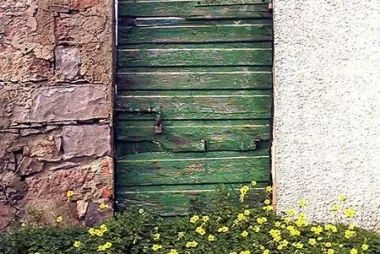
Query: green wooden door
x=193, y=100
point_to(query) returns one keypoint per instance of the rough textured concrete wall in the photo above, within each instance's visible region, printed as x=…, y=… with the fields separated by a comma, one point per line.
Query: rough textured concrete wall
x=327, y=101
x=55, y=110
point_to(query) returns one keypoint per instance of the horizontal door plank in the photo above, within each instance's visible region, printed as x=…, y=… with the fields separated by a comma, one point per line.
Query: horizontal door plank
x=168, y=22
x=195, y=168
x=200, y=105
x=195, y=78
x=174, y=200
x=231, y=31
x=194, y=9
x=188, y=136
x=250, y=54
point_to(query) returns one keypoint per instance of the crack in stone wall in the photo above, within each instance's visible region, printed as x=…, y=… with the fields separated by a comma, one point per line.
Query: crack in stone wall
x=55, y=111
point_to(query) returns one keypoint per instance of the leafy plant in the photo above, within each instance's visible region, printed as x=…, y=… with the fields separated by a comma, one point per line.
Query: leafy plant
x=231, y=225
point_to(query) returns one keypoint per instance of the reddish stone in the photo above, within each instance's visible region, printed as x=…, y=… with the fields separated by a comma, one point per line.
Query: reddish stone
x=84, y=4
x=7, y=215
x=106, y=193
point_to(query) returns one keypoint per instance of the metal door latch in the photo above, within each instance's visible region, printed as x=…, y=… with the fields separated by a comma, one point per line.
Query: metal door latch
x=158, y=127
x=158, y=122
x=151, y=110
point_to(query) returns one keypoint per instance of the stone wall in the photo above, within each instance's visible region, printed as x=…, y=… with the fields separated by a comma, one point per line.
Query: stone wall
x=326, y=106
x=55, y=111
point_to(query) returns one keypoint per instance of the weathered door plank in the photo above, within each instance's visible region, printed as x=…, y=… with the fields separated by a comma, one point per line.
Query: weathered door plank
x=194, y=9
x=187, y=136
x=195, y=78
x=252, y=54
x=174, y=200
x=197, y=104
x=232, y=31
x=185, y=169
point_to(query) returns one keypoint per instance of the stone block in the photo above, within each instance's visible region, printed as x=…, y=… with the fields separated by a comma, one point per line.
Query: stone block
x=59, y=104
x=86, y=140
x=67, y=61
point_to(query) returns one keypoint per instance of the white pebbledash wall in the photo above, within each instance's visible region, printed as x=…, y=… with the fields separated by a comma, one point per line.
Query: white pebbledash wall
x=327, y=106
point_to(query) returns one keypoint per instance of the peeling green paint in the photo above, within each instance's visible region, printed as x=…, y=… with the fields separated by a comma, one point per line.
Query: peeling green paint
x=205, y=65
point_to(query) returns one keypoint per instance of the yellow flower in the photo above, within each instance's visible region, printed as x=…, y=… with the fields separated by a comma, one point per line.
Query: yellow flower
x=246, y=212
x=101, y=248
x=241, y=217
x=332, y=228
x=76, y=244
x=328, y=244
x=173, y=251
x=156, y=247
x=350, y=213
x=335, y=207
x=353, y=251
x=211, y=238
x=330, y=251
x=107, y=245
x=342, y=198
x=351, y=227
x=349, y=234
x=223, y=229
x=245, y=252
x=244, y=233
x=98, y=232
x=156, y=236
x=284, y=243
x=200, y=230
x=293, y=231
x=268, y=189
x=302, y=202
x=365, y=247
x=275, y=234
x=181, y=235
x=266, y=252
x=312, y=241
x=268, y=208
x=291, y=212
x=298, y=245
x=286, y=220
x=141, y=211
x=244, y=189
x=194, y=219
x=191, y=244
x=267, y=201
x=253, y=183
x=59, y=219
x=91, y=231
x=102, y=206
x=69, y=194
x=103, y=228
x=205, y=218
x=261, y=220
x=23, y=225
x=256, y=229
x=316, y=230
x=277, y=224
x=300, y=222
